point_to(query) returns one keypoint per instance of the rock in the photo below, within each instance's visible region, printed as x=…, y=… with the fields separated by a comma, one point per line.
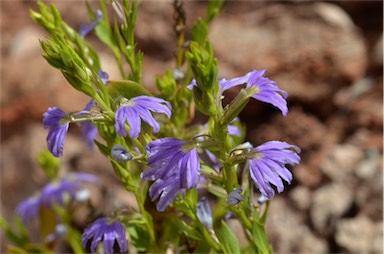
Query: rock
x=21, y=44
x=329, y=204
x=341, y=161
x=334, y=15
x=302, y=197
x=377, y=52
x=360, y=235
x=285, y=228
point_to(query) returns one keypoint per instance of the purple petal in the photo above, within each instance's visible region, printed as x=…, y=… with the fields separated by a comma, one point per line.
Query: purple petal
x=58, y=128
x=85, y=29
x=103, y=76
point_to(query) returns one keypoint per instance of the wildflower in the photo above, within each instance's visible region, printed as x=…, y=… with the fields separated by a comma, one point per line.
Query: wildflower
x=108, y=232
x=59, y=192
x=137, y=109
x=103, y=76
x=58, y=123
x=168, y=155
x=167, y=189
x=267, y=165
x=174, y=165
x=204, y=213
x=29, y=209
x=264, y=89
x=120, y=154
x=85, y=29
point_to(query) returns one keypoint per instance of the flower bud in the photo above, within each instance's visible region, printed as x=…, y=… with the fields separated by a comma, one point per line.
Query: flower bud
x=235, y=197
x=120, y=154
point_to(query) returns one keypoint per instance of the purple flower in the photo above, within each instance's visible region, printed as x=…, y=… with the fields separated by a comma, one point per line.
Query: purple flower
x=266, y=90
x=85, y=29
x=167, y=189
x=56, y=120
x=108, y=232
x=204, y=213
x=89, y=133
x=54, y=193
x=29, y=209
x=137, y=109
x=267, y=165
x=174, y=165
x=103, y=76
x=58, y=192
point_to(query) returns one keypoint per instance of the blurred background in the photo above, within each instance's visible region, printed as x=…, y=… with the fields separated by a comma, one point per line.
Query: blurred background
x=328, y=56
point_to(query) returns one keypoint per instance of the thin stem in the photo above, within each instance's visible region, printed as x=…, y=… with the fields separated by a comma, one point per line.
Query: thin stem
x=180, y=32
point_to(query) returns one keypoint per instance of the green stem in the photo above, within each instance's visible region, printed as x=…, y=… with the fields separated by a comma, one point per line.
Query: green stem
x=229, y=173
x=148, y=217
x=180, y=32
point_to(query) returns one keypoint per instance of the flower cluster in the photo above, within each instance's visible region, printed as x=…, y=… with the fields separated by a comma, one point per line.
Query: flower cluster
x=146, y=141
x=60, y=193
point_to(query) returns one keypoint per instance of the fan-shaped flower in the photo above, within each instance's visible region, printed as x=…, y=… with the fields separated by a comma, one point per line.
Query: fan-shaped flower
x=29, y=208
x=204, y=213
x=58, y=123
x=267, y=165
x=137, y=109
x=266, y=90
x=107, y=231
x=58, y=192
x=174, y=165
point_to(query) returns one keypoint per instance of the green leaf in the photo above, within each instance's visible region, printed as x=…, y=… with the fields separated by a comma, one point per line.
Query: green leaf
x=228, y=240
x=125, y=88
x=105, y=35
x=124, y=176
x=49, y=163
x=259, y=234
x=166, y=85
x=200, y=31
x=191, y=198
x=213, y=9
x=11, y=235
x=138, y=234
x=29, y=248
x=103, y=148
x=186, y=229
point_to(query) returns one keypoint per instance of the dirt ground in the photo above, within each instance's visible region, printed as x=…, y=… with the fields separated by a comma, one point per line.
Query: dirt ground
x=328, y=56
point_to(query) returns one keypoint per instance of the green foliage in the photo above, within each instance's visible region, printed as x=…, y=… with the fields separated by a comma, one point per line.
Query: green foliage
x=259, y=234
x=228, y=240
x=125, y=89
x=61, y=55
x=49, y=164
x=213, y=9
x=204, y=68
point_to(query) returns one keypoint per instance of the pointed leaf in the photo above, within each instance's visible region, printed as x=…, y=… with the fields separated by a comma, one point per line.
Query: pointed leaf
x=228, y=240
